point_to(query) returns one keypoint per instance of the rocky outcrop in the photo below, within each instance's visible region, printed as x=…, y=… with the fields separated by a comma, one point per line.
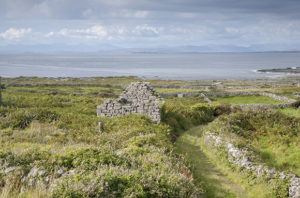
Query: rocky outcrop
x=240, y=158
x=138, y=98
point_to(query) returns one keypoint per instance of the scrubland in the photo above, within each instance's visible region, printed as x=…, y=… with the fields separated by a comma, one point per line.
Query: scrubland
x=51, y=145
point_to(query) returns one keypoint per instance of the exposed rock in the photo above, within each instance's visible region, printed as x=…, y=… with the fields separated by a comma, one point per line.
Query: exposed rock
x=138, y=98
x=10, y=169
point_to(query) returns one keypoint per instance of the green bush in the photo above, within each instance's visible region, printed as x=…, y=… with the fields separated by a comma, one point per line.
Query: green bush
x=21, y=118
x=296, y=104
x=181, y=114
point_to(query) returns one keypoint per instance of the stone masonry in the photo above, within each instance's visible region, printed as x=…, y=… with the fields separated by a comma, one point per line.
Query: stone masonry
x=138, y=98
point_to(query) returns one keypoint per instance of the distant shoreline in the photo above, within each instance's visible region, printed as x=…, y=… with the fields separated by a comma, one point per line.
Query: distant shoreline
x=293, y=70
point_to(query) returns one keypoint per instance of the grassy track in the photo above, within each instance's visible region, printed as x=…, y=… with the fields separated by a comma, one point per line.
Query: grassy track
x=215, y=182
x=217, y=179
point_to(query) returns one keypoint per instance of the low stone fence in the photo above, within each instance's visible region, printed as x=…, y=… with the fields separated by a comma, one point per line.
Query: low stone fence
x=260, y=106
x=184, y=94
x=224, y=94
x=240, y=158
x=276, y=97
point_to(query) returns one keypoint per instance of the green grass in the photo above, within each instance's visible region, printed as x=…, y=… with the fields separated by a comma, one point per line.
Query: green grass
x=213, y=172
x=214, y=182
x=274, y=137
x=51, y=124
x=253, y=99
x=55, y=129
x=291, y=112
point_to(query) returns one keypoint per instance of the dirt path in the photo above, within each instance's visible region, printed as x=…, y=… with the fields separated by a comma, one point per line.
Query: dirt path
x=215, y=183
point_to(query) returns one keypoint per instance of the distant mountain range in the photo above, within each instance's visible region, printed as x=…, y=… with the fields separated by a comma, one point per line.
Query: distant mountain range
x=107, y=48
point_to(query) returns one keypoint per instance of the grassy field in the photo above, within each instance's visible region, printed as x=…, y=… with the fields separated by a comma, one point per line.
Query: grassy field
x=252, y=99
x=49, y=135
x=51, y=146
x=291, y=112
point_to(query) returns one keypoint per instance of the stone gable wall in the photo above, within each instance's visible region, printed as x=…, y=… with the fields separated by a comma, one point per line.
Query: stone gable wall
x=138, y=98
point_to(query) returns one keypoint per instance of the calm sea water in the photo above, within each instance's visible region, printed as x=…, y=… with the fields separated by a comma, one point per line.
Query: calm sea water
x=164, y=66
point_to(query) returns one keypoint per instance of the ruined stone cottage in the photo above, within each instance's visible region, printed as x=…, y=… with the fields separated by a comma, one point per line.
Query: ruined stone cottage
x=138, y=98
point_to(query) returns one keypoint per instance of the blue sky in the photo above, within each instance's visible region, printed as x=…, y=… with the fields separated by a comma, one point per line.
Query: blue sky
x=265, y=24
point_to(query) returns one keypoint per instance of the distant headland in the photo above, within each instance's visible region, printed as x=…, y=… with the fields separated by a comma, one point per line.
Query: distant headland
x=294, y=70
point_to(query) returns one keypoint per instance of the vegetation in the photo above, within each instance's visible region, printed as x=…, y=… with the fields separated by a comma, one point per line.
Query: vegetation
x=291, y=112
x=271, y=135
x=49, y=135
x=218, y=177
x=183, y=113
x=51, y=145
x=252, y=99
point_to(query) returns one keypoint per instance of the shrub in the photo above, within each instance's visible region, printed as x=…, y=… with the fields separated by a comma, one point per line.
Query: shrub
x=296, y=104
x=21, y=118
x=222, y=109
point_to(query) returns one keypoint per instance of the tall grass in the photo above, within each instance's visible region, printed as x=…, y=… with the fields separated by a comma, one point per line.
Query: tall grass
x=52, y=140
x=273, y=136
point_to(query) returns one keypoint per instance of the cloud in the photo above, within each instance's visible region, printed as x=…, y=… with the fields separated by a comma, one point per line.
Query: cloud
x=94, y=32
x=168, y=22
x=50, y=34
x=15, y=34
x=146, y=30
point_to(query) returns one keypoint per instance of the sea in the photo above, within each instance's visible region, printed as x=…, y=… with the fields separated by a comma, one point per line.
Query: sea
x=196, y=66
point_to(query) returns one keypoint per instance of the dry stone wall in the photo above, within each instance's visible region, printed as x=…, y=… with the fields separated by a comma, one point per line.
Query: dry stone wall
x=138, y=98
x=260, y=106
x=280, y=98
x=240, y=158
x=274, y=96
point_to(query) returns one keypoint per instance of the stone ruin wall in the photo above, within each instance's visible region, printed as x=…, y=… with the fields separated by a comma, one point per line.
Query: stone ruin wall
x=138, y=98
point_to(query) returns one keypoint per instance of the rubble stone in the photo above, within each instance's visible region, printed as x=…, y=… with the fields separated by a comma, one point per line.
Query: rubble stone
x=240, y=157
x=138, y=98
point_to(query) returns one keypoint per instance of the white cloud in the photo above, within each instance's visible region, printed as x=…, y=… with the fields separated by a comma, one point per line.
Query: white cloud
x=15, y=34
x=50, y=34
x=147, y=31
x=94, y=32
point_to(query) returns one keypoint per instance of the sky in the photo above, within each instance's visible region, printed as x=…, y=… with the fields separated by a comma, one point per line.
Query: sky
x=254, y=24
